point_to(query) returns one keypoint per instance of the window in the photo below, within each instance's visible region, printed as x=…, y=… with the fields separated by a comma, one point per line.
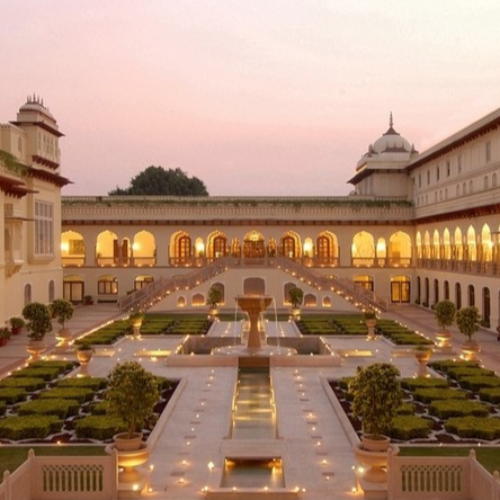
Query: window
x=437, y=173
x=44, y=228
x=488, y=151
x=428, y=177
x=107, y=285
x=448, y=168
x=76, y=247
x=459, y=164
x=419, y=180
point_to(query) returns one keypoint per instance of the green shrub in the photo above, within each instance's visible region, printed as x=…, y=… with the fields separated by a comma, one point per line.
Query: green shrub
x=461, y=372
x=162, y=382
x=29, y=427
x=474, y=427
x=444, y=365
x=45, y=373
x=3, y=407
x=490, y=394
x=62, y=408
x=476, y=383
x=406, y=409
x=100, y=408
x=94, y=383
x=99, y=427
x=344, y=383
x=12, y=395
x=455, y=408
x=80, y=394
x=429, y=395
x=410, y=427
x=62, y=366
x=410, y=339
x=27, y=384
x=413, y=384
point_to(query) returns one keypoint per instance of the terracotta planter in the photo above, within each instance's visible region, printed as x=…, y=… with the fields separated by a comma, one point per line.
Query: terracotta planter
x=124, y=443
x=16, y=330
x=84, y=356
x=444, y=339
x=470, y=350
x=3, y=342
x=35, y=348
x=423, y=356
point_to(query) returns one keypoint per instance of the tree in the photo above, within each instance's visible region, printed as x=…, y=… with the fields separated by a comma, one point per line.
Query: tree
x=445, y=312
x=156, y=181
x=38, y=319
x=468, y=319
x=295, y=296
x=214, y=296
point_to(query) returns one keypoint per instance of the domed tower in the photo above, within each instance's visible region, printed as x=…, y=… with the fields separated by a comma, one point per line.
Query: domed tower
x=381, y=170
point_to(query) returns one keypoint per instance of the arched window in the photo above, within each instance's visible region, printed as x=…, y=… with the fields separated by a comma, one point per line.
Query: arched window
x=198, y=300
x=446, y=286
x=27, y=294
x=310, y=300
x=72, y=249
x=52, y=291
x=286, y=292
x=400, y=289
x=486, y=306
x=426, y=293
x=327, y=302
x=144, y=249
x=471, y=296
x=363, y=250
x=254, y=286
x=458, y=295
x=436, y=292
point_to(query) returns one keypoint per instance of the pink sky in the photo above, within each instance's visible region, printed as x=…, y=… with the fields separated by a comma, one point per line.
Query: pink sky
x=254, y=98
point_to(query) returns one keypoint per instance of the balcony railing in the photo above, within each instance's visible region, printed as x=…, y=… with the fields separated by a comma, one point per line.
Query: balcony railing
x=489, y=268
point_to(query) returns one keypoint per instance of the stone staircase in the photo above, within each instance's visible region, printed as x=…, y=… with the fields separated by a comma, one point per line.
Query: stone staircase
x=147, y=296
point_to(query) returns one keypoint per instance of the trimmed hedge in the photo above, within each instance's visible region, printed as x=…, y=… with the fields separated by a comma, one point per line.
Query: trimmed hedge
x=47, y=373
x=12, y=395
x=62, y=366
x=100, y=408
x=94, y=383
x=429, y=395
x=3, y=407
x=61, y=408
x=410, y=427
x=29, y=426
x=454, y=408
x=444, y=365
x=99, y=427
x=460, y=372
x=80, y=394
x=490, y=394
x=413, y=384
x=406, y=409
x=27, y=384
x=476, y=383
x=474, y=427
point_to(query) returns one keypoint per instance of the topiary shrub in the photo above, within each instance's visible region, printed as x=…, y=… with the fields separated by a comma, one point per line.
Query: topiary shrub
x=406, y=409
x=490, y=394
x=468, y=321
x=413, y=384
x=46, y=374
x=94, y=383
x=474, y=384
x=63, y=310
x=61, y=408
x=38, y=320
x=410, y=427
x=428, y=395
x=62, y=366
x=100, y=408
x=445, y=312
x=455, y=408
x=461, y=372
x=25, y=384
x=444, y=365
x=80, y=394
x=12, y=395
x=100, y=427
x=29, y=427
x=474, y=427
x=377, y=395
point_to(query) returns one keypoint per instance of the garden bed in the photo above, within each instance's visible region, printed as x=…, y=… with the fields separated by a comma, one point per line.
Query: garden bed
x=461, y=408
x=39, y=409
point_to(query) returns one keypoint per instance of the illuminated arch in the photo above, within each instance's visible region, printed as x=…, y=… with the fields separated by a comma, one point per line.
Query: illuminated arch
x=327, y=247
x=486, y=244
x=363, y=249
x=198, y=300
x=290, y=245
x=435, y=252
x=427, y=245
x=471, y=244
x=108, y=251
x=253, y=245
x=446, y=245
x=458, y=245
x=400, y=249
x=181, y=248
x=72, y=249
x=144, y=249
x=419, y=245
x=217, y=246
x=310, y=300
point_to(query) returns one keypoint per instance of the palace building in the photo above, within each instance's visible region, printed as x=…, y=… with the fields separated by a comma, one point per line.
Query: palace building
x=417, y=228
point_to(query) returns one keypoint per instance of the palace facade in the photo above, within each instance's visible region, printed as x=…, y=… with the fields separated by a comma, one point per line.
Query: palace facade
x=417, y=228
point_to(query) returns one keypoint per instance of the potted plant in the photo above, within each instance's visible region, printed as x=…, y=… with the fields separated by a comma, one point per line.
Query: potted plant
x=88, y=300
x=214, y=298
x=371, y=323
x=376, y=395
x=16, y=324
x=422, y=354
x=5, y=334
x=444, y=313
x=468, y=322
x=295, y=297
x=84, y=353
x=131, y=395
x=63, y=310
x=38, y=323
x=136, y=319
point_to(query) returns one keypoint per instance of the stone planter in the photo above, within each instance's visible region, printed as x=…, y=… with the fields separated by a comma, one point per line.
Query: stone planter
x=444, y=340
x=136, y=325
x=371, y=324
x=375, y=461
x=470, y=350
x=35, y=348
x=84, y=356
x=422, y=356
x=295, y=314
x=64, y=336
x=124, y=443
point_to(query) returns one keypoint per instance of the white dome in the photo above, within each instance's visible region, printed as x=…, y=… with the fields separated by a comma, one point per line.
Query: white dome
x=35, y=104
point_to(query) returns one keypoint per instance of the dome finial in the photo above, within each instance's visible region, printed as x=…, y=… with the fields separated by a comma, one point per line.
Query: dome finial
x=390, y=120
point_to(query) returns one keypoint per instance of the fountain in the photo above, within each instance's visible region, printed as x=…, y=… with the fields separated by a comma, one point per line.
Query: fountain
x=256, y=347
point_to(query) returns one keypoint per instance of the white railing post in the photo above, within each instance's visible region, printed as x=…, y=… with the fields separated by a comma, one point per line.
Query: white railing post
x=6, y=485
x=495, y=490
x=32, y=465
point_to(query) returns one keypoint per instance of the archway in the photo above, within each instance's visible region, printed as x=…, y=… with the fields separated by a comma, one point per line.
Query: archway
x=144, y=249
x=363, y=250
x=217, y=246
x=327, y=249
x=254, y=286
x=486, y=306
x=107, y=249
x=72, y=249
x=399, y=249
x=400, y=289
x=253, y=245
x=290, y=245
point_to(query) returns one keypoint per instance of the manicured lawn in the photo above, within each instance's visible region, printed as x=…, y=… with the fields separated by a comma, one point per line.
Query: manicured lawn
x=489, y=458
x=11, y=457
